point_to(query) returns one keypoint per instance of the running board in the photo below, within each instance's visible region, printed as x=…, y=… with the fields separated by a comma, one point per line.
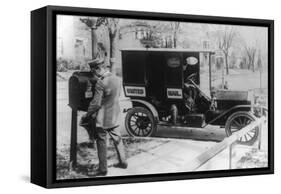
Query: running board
x=167, y=124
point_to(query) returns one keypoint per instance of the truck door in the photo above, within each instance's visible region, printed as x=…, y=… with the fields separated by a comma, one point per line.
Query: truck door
x=173, y=75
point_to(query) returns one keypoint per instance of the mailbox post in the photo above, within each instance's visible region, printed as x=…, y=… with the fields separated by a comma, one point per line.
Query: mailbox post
x=81, y=90
x=73, y=140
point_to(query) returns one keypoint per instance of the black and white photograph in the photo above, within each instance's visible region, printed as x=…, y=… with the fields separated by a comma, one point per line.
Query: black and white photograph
x=140, y=97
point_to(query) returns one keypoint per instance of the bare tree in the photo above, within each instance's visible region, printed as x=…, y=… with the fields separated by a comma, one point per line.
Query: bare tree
x=92, y=24
x=225, y=42
x=112, y=25
x=175, y=26
x=113, y=30
x=251, y=55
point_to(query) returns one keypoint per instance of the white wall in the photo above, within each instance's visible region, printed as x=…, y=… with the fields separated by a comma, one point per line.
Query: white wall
x=15, y=95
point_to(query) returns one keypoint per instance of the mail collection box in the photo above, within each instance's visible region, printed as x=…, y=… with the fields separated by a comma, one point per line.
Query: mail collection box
x=81, y=90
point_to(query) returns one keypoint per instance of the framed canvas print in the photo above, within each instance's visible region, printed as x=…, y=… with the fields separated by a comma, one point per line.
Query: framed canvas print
x=125, y=96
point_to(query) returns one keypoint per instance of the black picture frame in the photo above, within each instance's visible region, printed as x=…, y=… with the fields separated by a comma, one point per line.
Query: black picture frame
x=43, y=95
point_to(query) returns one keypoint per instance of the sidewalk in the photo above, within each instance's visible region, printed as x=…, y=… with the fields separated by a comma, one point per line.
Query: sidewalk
x=151, y=156
x=167, y=158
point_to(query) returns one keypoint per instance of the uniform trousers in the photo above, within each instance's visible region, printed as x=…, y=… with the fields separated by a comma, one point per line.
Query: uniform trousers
x=101, y=138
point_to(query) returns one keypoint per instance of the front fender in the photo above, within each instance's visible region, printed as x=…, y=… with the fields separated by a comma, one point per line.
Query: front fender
x=149, y=106
x=221, y=119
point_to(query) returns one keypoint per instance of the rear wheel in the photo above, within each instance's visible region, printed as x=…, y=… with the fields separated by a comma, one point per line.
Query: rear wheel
x=238, y=121
x=140, y=122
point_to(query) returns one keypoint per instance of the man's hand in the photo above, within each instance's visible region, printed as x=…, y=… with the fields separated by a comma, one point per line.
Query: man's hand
x=84, y=116
x=84, y=120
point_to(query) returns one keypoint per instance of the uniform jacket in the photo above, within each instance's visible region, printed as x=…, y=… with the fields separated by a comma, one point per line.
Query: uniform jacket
x=106, y=101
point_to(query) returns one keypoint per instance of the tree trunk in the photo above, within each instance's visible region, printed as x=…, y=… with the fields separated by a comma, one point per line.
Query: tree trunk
x=253, y=63
x=175, y=39
x=226, y=63
x=94, y=43
x=113, y=50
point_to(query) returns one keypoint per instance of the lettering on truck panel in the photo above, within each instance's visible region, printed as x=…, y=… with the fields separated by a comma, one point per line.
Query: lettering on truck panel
x=135, y=91
x=174, y=93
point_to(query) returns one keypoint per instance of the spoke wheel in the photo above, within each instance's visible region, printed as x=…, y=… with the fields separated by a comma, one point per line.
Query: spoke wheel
x=238, y=121
x=140, y=122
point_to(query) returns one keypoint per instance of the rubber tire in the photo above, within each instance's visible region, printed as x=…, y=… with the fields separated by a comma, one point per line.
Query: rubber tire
x=131, y=112
x=239, y=114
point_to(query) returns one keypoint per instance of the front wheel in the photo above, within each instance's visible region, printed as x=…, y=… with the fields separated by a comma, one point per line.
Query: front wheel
x=238, y=121
x=140, y=122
